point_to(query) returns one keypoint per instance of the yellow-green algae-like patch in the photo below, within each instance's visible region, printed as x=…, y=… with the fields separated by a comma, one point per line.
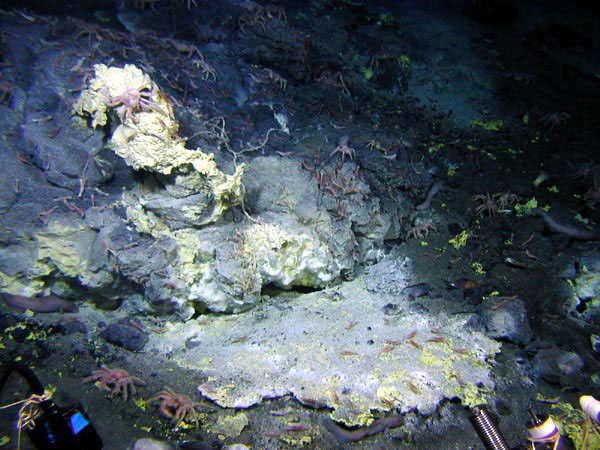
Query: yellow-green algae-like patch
x=344, y=354
x=67, y=246
x=572, y=422
x=147, y=137
x=230, y=426
x=72, y=248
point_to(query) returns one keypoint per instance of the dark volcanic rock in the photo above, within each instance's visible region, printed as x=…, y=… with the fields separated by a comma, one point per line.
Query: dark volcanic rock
x=125, y=335
x=506, y=318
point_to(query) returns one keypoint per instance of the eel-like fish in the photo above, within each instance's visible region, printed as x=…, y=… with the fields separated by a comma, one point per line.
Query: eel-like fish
x=377, y=426
x=434, y=189
x=571, y=231
x=47, y=303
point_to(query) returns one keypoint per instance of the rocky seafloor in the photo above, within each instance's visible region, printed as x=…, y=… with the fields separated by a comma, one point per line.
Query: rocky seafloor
x=321, y=224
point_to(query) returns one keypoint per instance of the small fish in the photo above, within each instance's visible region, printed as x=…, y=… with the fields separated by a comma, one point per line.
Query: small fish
x=312, y=403
x=54, y=133
x=44, y=304
x=514, y=263
x=388, y=402
x=413, y=388
x=549, y=400
x=350, y=325
x=414, y=344
x=461, y=283
x=294, y=427
x=386, y=349
x=281, y=412
x=336, y=398
x=542, y=177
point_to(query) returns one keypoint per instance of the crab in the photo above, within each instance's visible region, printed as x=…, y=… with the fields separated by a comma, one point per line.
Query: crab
x=206, y=69
x=421, y=230
x=260, y=15
x=343, y=149
x=585, y=171
x=506, y=199
x=116, y=381
x=592, y=196
x=335, y=80
x=556, y=119
x=184, y=47
x=178, y=406
x=384, y=55
x=487, y=204
x=134, y=99
x=376, y=145
x=267, y=75
x=92, y=31
x=274, y=11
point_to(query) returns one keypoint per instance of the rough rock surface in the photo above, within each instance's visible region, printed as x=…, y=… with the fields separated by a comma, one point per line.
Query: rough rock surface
x=506, y=318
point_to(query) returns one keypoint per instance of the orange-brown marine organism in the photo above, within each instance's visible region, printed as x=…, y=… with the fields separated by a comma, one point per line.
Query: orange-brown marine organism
x=116, y=381
x=178, y=407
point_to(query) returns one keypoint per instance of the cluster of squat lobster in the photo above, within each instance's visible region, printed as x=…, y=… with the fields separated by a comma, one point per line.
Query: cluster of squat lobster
x=172, y=405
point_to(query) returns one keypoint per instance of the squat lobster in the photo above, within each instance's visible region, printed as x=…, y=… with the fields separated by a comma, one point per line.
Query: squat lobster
x=132, y=100
x=343, y=149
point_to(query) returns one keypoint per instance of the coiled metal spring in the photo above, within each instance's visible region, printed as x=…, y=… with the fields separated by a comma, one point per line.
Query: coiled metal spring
x=488, y=431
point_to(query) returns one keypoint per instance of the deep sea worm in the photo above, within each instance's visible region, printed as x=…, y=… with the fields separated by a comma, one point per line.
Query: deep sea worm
x=434, y=189
x=377, y=426
x=48, y=303
x=568, y=230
